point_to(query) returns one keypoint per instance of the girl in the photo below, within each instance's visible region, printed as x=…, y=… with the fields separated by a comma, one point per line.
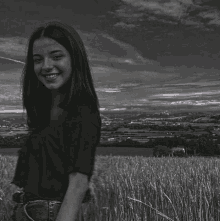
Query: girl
x=55, y=166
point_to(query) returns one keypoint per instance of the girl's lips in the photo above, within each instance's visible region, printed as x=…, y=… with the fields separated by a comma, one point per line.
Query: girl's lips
x=51, y=79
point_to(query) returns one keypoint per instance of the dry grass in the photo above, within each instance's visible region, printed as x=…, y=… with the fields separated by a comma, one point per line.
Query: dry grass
x=138, y=188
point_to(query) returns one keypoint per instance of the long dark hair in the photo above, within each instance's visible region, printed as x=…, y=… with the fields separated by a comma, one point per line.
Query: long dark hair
x=79, y=90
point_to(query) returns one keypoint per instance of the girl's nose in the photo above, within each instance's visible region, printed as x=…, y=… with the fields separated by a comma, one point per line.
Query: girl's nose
x=47, y=65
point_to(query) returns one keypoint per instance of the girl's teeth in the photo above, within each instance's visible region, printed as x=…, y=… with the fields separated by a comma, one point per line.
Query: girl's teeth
x=52, y=76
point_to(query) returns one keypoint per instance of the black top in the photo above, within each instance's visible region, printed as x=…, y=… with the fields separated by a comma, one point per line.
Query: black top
x=52, y=153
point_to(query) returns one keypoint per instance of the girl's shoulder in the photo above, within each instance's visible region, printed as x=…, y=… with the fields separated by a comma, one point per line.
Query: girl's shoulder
x=84, y=114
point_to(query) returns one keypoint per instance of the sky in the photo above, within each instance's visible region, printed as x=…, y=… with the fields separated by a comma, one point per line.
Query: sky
x=137, y=62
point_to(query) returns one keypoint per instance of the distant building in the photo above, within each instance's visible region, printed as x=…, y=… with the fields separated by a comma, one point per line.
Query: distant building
x=178, y=151
x=111, y=139
x=135, y=122
x=141, y=140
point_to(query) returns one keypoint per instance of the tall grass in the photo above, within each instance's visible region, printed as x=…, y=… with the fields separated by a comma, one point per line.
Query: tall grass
x=138, y=188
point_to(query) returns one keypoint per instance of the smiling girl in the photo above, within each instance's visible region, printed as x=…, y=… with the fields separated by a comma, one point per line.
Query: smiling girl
x=55, y=166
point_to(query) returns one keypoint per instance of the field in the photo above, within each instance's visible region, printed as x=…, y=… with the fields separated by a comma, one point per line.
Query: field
x=141, y=188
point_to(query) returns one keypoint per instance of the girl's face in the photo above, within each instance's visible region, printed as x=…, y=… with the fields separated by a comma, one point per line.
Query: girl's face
x=52, y=63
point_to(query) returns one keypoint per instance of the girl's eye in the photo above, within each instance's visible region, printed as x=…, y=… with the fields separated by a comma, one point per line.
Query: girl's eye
x=58, y=57
x=37, y=60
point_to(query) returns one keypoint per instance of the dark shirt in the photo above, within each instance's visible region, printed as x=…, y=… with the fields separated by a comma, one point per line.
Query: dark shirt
x=52, y=153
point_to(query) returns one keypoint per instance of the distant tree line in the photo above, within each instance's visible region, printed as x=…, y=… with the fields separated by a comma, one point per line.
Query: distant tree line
x=148, y=127
x=13, y=141
x=202, y=145
x=167, y=141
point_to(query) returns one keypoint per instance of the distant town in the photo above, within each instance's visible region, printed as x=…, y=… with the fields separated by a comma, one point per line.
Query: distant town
x=142, y=129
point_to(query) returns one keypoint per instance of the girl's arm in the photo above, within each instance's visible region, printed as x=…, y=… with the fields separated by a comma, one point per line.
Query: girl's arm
x=78, y=184
x=85, y=135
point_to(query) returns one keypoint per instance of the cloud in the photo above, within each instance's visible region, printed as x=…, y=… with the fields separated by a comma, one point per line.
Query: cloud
x=124, y=25
x=108, y=90
x=190, y=94
x=13, y=46
x=170, y=8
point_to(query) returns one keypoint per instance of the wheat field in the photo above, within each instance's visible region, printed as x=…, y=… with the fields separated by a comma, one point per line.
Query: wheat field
x=139, y=188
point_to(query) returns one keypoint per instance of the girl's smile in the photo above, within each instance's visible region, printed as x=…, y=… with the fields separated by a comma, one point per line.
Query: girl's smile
x=52, y=63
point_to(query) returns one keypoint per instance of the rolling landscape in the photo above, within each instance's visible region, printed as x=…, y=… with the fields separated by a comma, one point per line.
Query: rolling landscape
x=156, y=73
